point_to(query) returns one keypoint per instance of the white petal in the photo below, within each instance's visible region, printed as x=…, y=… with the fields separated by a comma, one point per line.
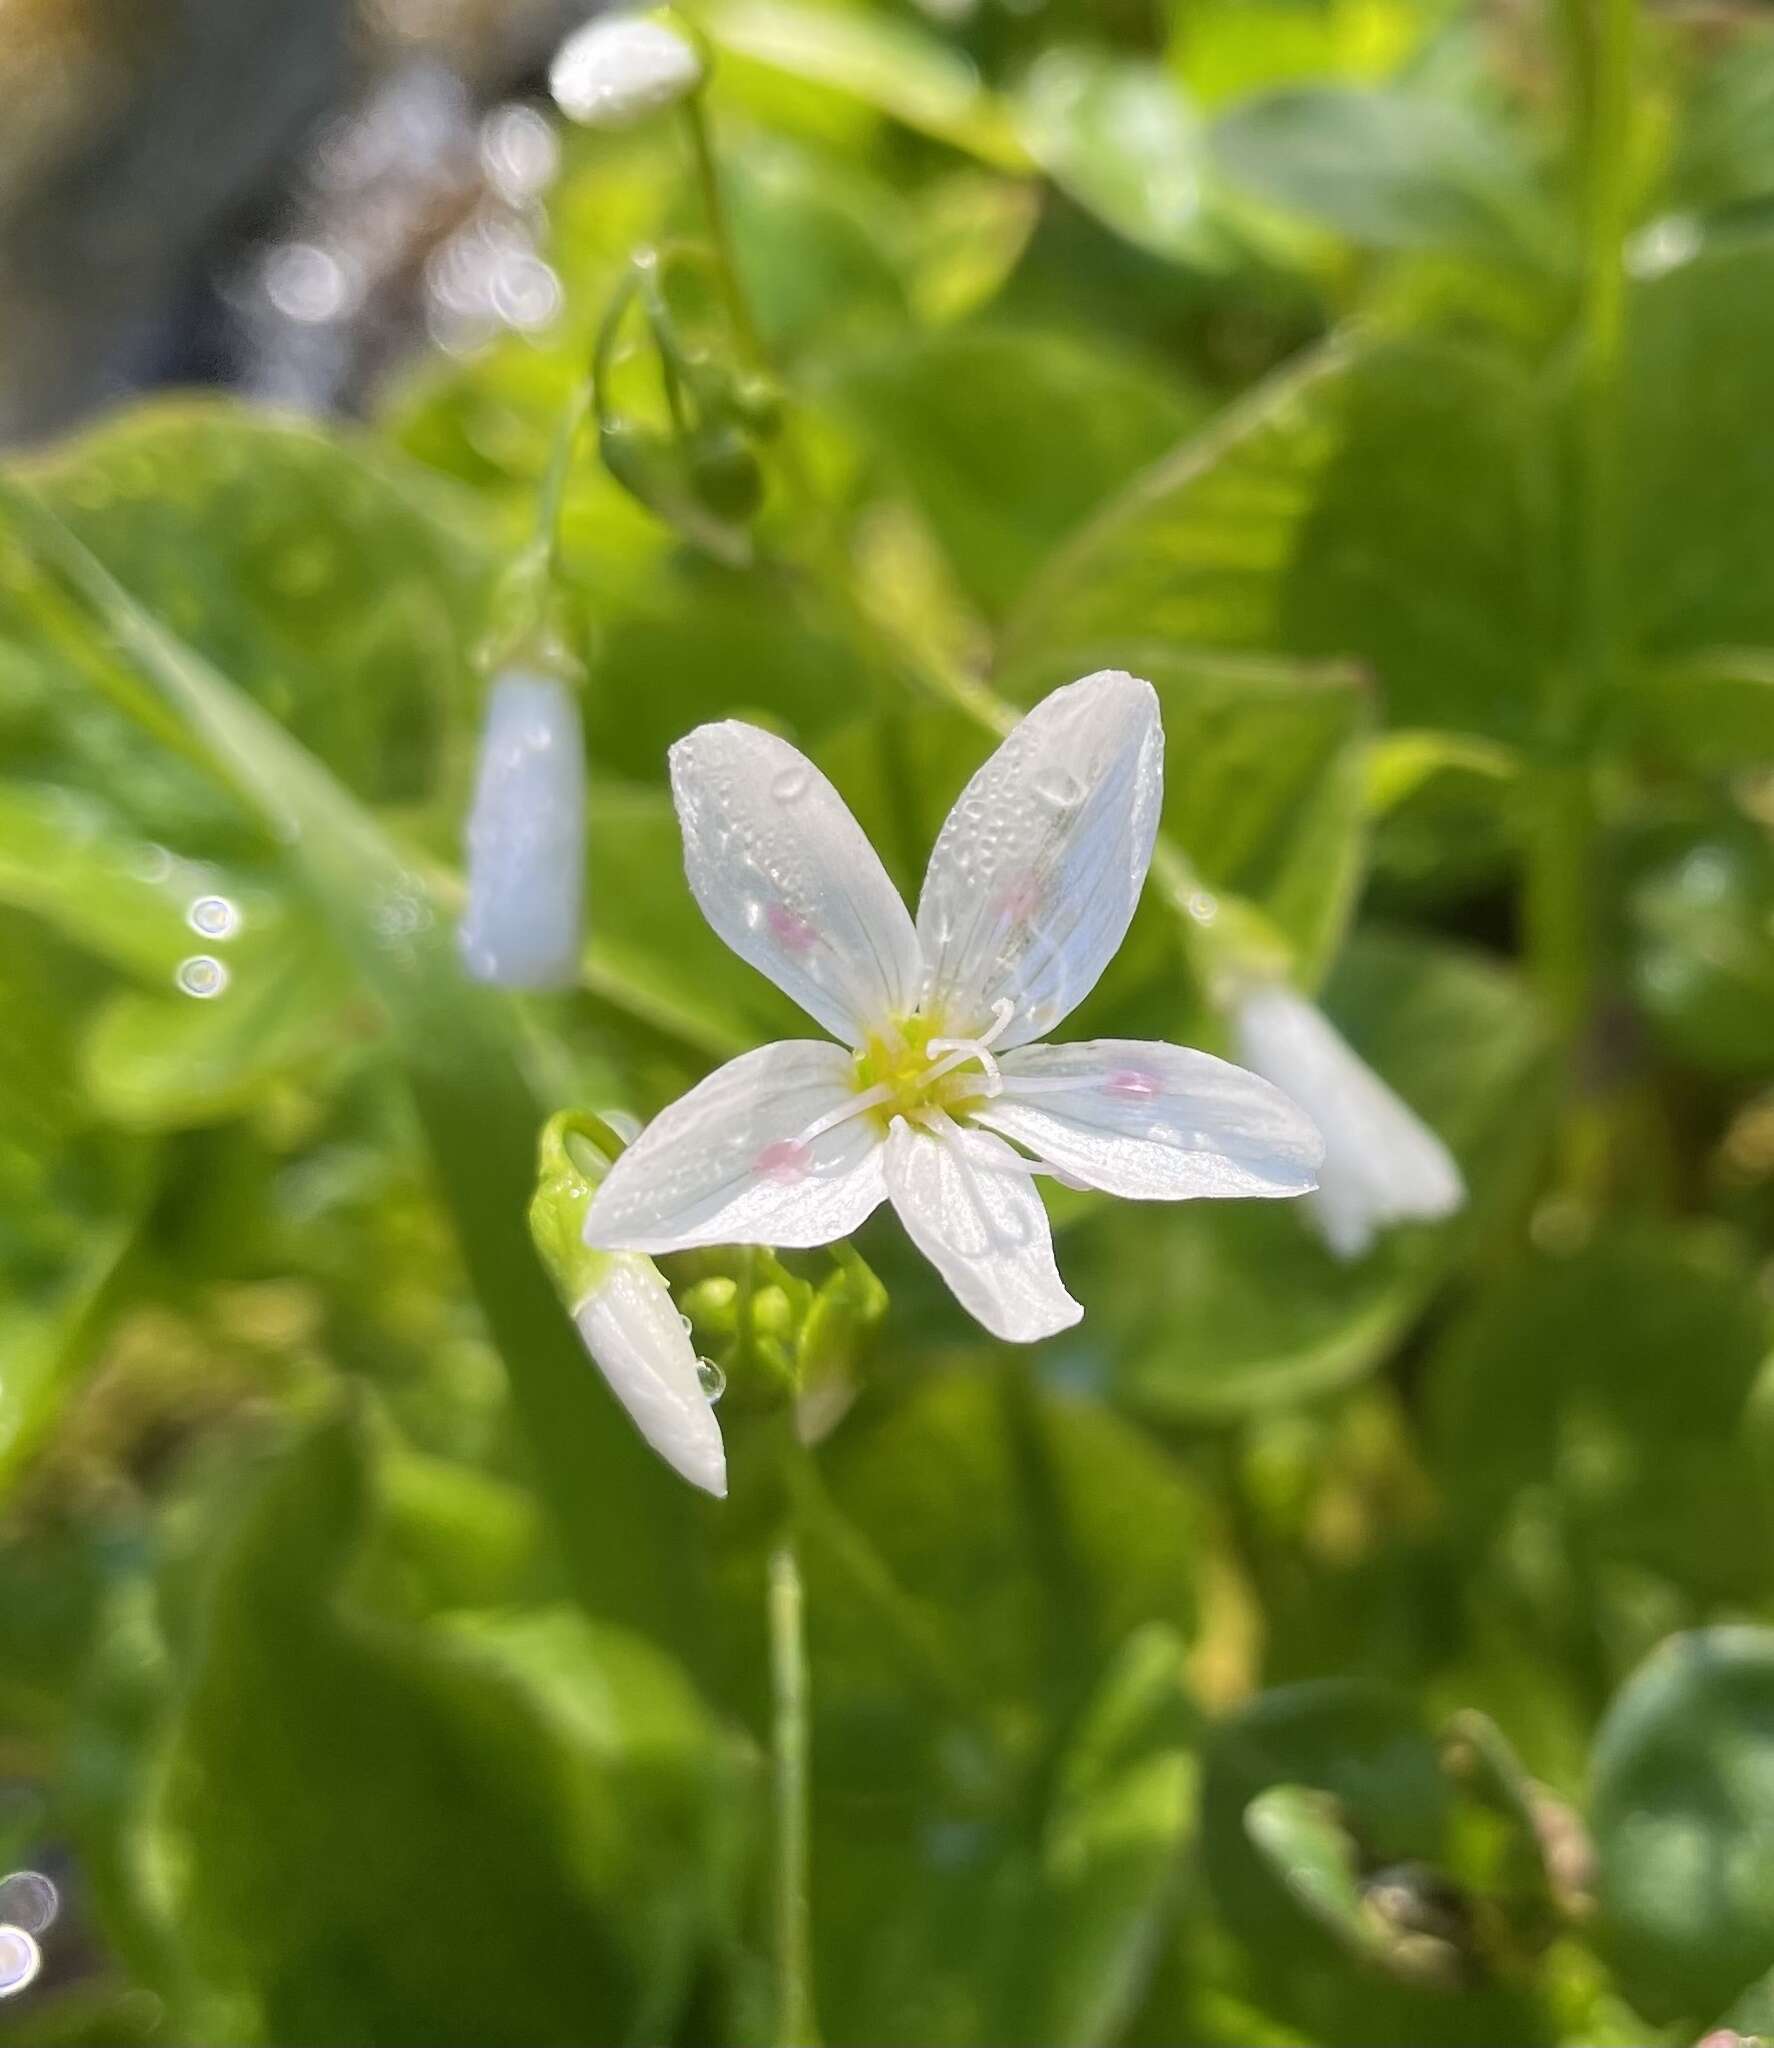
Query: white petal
x=1036, y=873
x=726, y=1164
x=1154, y=1122
x=1382, y=1163
x=620, y=68
x=632, y=1330
x=976, y=1217
x=788, y=878
x=526, y=837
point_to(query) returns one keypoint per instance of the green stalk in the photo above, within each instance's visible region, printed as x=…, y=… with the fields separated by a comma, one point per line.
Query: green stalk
x=797, y=2025
x=1600, y=40
x=720, y=227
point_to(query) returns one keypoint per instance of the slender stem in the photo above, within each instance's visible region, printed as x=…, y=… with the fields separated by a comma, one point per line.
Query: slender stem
x=720, y=227
x=1600, y=39
x=796, y=2023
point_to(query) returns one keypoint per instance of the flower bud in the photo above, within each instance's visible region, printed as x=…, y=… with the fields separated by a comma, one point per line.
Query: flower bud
x=624, y=1313
x=526, y=837
x=621, y=68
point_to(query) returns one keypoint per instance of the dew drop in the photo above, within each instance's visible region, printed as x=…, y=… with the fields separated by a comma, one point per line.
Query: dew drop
x=711, y=1379
x=1059, y=787
x=685, y=1320
x=1204, y=907
x=790, y=930
x=28, y=1900
x=202, y=976
x=787, y=1161
x=792, y=783
x=1132, y=1084
x=20, y=1960
x=151, y=863
x=214, y=917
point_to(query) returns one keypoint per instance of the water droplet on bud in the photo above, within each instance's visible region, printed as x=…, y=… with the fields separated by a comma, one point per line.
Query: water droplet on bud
x=711, y=1379
x=202, y=976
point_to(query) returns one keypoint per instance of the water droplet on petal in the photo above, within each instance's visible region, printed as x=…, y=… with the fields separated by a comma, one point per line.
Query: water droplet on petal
x=711, y=1379
x=685, y=1320
x=792, y=783
x=787, y=1161
x=1132, y=1084
x=202, y=976
x=20, y=1960
x=214, y=916
x=790, y=930
x=29, y=1900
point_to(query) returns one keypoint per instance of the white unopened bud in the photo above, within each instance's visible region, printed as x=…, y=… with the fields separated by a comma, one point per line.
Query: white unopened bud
x=1382, y=1163
x=526, y=837
x=621, y=68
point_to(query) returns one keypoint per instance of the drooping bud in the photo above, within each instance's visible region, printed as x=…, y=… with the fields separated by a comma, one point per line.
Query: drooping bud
x=624, y=1313
x=1382, y=1163
x=526, y=837
x=621, y=68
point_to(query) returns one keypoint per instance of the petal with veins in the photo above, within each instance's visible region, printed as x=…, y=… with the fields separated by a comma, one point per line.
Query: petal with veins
x=788, y=878
x=731, y=1162
x=632, y=1331
x=1153, y=1122
x=1382, y=1163
x=972, y=1210
x=1035, y=875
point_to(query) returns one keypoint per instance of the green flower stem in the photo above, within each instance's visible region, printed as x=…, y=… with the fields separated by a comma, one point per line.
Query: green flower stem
x=797, y=2025
x=720, y=227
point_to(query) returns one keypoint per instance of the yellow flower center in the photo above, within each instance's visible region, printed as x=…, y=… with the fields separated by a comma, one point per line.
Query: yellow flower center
x=914, y=1076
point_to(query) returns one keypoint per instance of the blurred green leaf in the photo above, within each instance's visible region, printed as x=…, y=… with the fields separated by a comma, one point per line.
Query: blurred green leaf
x=1703, y=959
x=1682, y=1805
x=1006, y=438
x=1312, y=520
x=1118, y=136
x=1387, y=168
x=888, y=64
x=497, y=1832
x=1713, y=710
x=1644, y=1464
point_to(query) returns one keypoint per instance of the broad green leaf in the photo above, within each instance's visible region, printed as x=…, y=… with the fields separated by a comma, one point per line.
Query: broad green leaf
x=623, y=1519
x=1216, y=1309
x=886, y=63
x=1118, y=136
x=1313, y=520
x=1224, y=49
x=1001, y=1774
x=338, y=587
x=1386, y=167
x=1713, y=710
x=374, y=1832
x=1007, y=438
x=1682, y=1805
x=1642, y=1465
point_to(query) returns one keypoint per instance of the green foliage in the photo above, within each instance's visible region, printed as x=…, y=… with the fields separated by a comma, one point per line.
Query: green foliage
x=1300, y=1649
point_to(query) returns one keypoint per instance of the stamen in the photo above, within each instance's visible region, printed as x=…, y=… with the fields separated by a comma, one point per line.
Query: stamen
x=870, y=1098
x=961, y=1050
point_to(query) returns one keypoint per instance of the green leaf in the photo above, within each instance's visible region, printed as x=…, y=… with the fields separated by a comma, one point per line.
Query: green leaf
x=1682, y=1807
x=624, y=1520
x=1215, y=1309
x=1007, y=438
x=1118, y=136
x=1643, y=1466
x=1703, y=954
x=500, y=1831
x=1389, y=168
x=1312, y=520
x=1713, y=711
x=885, y=63
x=1001, y=1767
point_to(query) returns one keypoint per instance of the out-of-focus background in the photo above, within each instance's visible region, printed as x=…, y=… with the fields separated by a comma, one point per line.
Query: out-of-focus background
x=1354, y=1645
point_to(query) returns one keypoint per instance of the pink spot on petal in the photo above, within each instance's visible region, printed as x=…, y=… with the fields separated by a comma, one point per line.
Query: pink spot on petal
x=1133, y=1084
x=789, y=929
x=787, y=1160
x=1020, y=898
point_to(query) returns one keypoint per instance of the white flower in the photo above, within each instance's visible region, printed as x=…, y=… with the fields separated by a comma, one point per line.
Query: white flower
x=1382, y=1163
x=620, y=68
x=936, y=1099
x=638, y=1341
x=526, y=837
